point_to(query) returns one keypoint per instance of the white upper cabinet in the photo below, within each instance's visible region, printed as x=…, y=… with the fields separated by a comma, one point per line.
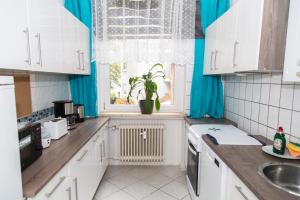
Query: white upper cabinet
x=42, y=36
x=226, y=42
x=292, y=55
x=70, y=38
x=251, y=37
x=210, y=48
x=14, y=36
x=248, y=34
x=84, y=48
x=45, y=35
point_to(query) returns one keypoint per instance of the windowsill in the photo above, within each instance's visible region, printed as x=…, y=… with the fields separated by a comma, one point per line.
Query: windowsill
x=136, y=115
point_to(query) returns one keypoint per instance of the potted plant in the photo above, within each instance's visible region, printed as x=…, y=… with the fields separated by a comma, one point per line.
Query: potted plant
x=147, y=88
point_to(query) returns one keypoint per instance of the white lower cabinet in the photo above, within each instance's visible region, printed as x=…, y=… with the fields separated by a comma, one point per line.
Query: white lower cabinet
x=58, y=188
x=237, y=190
x=218, y=182
x=79, y=179
x=213, y=175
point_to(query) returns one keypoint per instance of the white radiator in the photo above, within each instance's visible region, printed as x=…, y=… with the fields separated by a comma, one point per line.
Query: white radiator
x=142, y=143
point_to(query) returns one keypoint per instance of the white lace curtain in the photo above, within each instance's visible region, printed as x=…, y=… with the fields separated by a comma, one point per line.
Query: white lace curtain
x=145, y=31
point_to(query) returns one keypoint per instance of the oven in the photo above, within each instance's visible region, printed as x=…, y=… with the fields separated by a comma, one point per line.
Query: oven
x=193, y=169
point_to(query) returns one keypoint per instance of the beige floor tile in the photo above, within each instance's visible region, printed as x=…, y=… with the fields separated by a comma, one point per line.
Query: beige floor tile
x=159, y=195
x=175, y=189
x=158, y=180
x=120, y=195
x=122, y=180
x=105, y=189
x=140, y=190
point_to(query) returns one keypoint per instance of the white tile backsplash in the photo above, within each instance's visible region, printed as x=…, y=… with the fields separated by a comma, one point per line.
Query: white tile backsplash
x=266, y=104
x=256, y=92
x=286, y=99
x=263, y=114
x=296, y=105
x=285, y=117
x=275, y=95
x=273, y=117
x=46, y=88
x=265, y=93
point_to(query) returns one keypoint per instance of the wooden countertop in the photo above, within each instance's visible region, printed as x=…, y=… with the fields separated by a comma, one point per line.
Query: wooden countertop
x=244, y=162
x=60, y=152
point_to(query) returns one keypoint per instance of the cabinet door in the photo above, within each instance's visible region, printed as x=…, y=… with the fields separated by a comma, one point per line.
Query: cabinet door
x=58, y=188
x=97, y=148
x=226, y=42
x=237, y=190
x=71, y=55
x=211, y=176
x=292, y=57
x=209, y=56
x=81, y=170
x=45, y=35
x=105, y=151
x=248, y=35
x=84, y=47
x=14, y=38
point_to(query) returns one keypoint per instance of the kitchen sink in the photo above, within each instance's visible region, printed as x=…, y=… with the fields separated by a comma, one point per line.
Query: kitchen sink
x=284, y=176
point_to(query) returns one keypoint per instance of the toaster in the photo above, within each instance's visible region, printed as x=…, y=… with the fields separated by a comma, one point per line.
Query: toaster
x=57, y=128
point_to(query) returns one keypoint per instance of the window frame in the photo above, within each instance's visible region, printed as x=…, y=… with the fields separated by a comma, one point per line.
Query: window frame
x=104, y=105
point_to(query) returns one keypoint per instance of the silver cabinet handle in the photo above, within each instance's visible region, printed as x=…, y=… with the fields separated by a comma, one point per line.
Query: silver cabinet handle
x=61, y=180
x=101, y=152
x=95, y=140
x=234, y=53
x=211, y=60
x=79, y=59
x=215, y=64
x=82, y=59
x=239, y=189
x=76, y=188
x=104, y=151
x=28, y=60
x=38, y=37
x=69, y=193
x=83, y=155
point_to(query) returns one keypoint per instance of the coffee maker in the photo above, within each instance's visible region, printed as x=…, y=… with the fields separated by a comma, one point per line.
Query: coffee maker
x=65, y=109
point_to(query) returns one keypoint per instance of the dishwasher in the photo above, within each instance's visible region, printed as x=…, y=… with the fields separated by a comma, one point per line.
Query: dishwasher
x=213, y=175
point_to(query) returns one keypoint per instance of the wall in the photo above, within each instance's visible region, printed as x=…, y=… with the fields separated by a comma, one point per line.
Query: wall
x=46, y=88
x=260, y=103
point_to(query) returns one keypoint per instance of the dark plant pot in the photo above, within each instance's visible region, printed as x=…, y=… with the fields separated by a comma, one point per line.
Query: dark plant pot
x=146, y=109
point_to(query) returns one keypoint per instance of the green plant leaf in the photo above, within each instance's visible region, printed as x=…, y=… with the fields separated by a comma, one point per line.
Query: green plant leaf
x=157, y=103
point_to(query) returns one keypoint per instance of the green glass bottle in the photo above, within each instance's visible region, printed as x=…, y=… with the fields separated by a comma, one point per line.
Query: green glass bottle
x=279, y=142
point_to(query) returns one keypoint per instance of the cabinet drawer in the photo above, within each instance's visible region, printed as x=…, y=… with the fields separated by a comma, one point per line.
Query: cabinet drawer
x=55, y=186
x=239, y=189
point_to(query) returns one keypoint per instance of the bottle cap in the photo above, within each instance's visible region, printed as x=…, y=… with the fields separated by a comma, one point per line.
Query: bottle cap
x=280, y=129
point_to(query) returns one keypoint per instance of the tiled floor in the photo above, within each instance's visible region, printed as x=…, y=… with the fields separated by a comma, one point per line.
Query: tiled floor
x=143, y=182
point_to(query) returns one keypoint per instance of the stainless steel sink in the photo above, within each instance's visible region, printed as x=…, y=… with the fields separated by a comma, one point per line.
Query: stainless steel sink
x=282, y=175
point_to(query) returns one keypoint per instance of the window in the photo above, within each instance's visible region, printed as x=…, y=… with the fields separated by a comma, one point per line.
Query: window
x=119, y=86
x=114, y=87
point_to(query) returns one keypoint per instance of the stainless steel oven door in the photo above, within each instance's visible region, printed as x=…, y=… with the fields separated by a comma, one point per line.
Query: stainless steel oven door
x=193, y=168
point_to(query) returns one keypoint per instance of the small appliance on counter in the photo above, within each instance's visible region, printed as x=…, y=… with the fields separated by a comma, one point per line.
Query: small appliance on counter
x=46, y=138
x=65, y=109
x=30, y=144
x=79, y=111
x=56, y=128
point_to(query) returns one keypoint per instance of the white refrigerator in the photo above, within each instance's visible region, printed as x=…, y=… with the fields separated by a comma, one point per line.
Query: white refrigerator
x=10, y=169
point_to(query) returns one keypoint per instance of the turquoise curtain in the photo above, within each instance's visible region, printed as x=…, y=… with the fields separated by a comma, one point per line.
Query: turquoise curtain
x=84, y=88
x=207, y=91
